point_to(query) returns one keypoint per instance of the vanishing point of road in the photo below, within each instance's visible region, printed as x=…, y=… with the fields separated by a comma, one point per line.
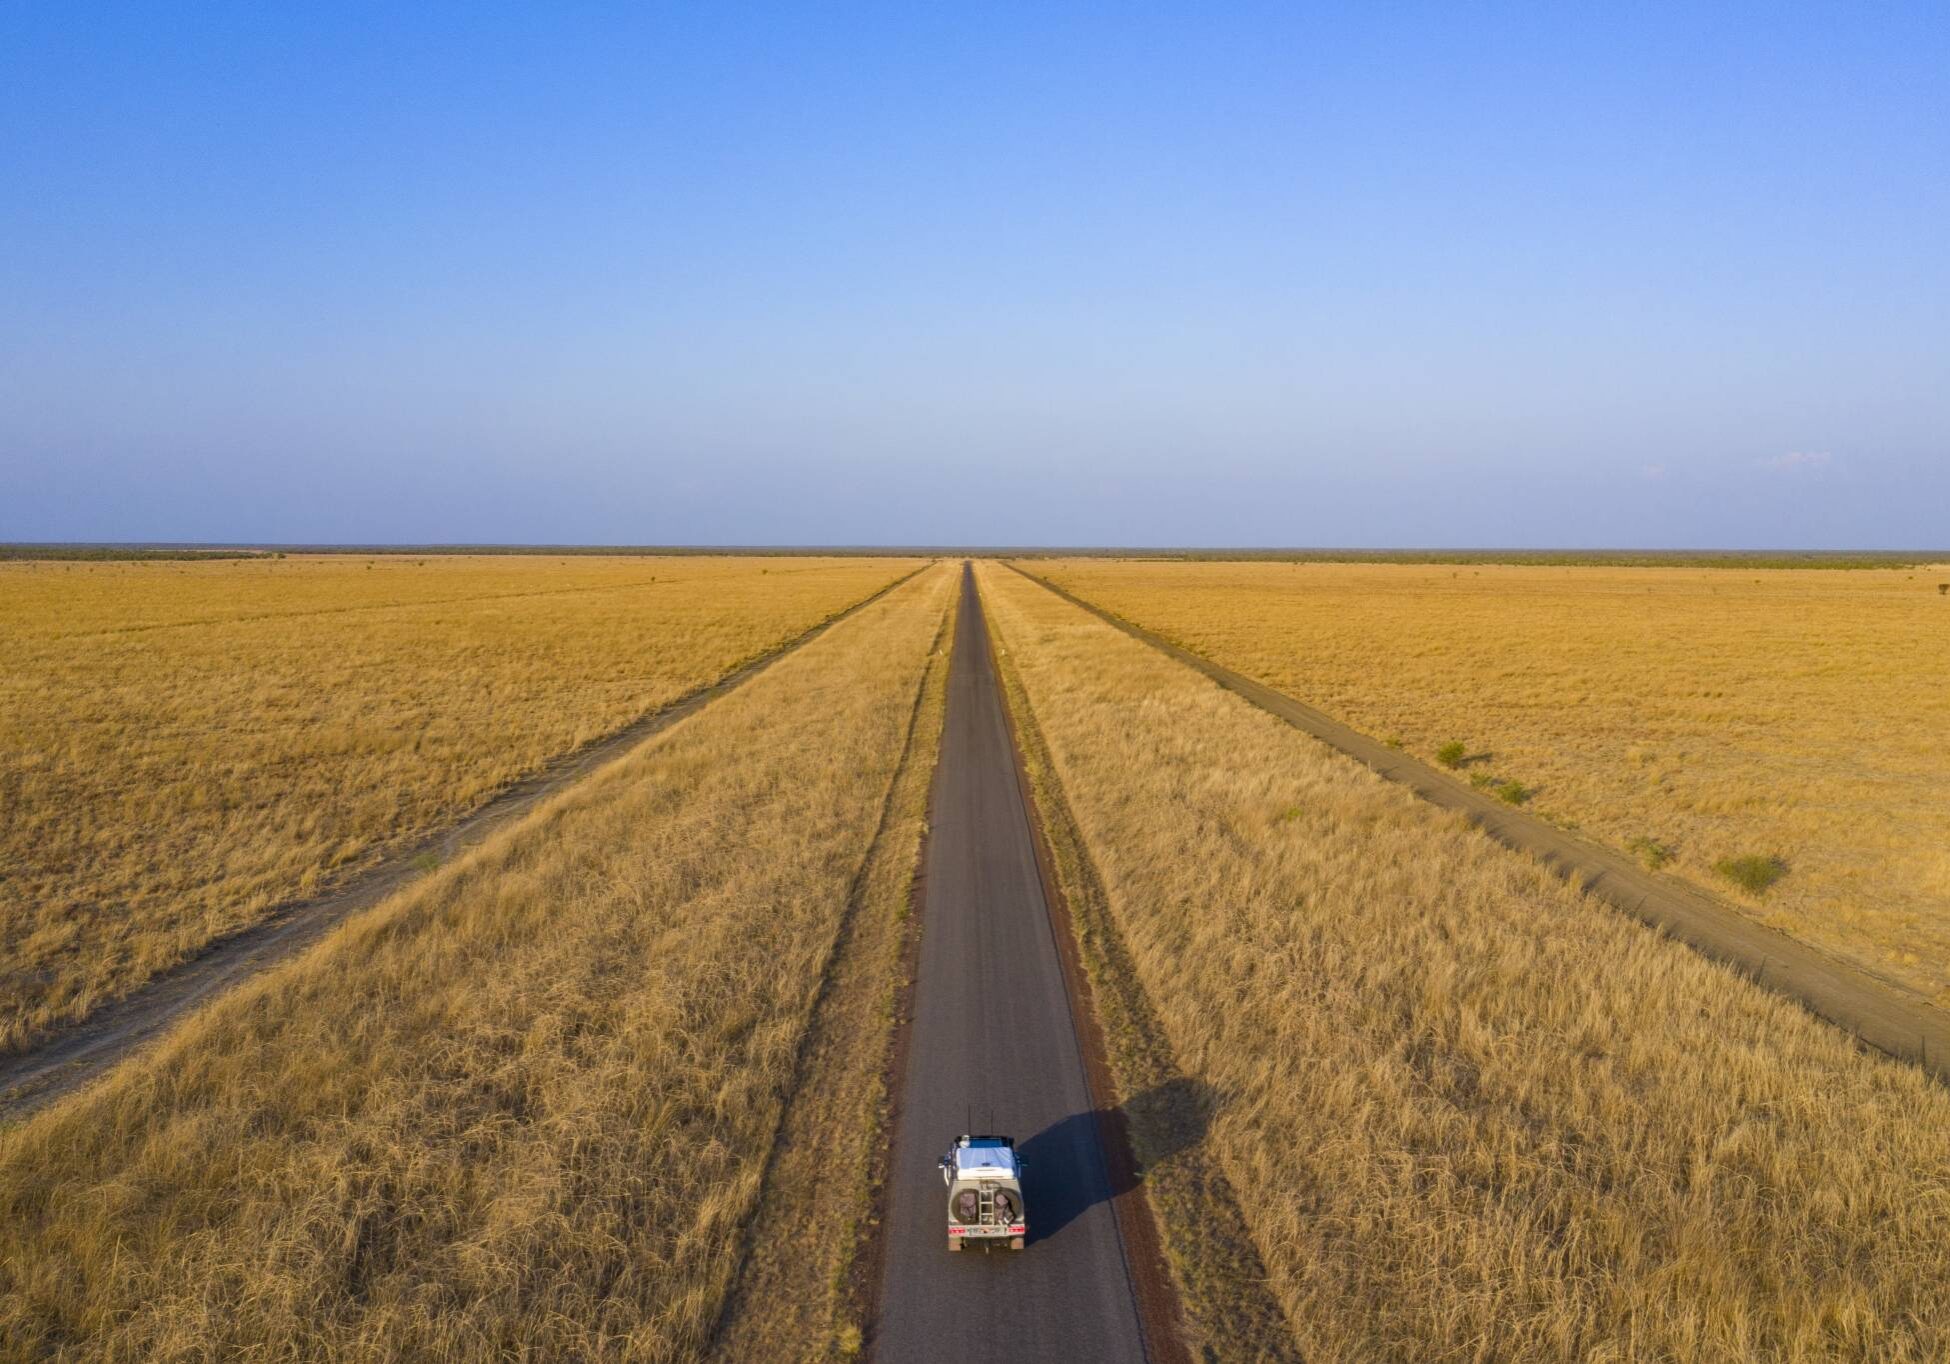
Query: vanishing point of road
x=992, y=1048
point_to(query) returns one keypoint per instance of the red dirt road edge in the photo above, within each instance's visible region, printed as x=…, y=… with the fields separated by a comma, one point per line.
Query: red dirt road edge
x=1877, y=1013
x=1159, y=1312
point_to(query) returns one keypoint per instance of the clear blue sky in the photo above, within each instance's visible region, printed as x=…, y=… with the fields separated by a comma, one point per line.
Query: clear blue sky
x=1666, y=275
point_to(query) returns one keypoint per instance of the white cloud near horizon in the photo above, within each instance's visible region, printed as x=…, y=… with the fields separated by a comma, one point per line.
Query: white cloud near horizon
x=1796, y=460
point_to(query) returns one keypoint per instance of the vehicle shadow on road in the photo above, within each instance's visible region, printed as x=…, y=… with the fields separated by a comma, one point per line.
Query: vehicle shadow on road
x=1066, y=1172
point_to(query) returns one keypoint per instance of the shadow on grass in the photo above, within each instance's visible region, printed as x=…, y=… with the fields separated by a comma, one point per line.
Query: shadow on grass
x=1065, y=1170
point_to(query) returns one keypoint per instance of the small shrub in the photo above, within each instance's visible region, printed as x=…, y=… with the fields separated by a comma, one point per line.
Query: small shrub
x=1943, y=589
x=1752, y=873
x=1452, y=753
x=1291, y=813
x=1651, y=852
x=427, y=861
x=1506, y=789
x=1393, y=741
x=848, y=1340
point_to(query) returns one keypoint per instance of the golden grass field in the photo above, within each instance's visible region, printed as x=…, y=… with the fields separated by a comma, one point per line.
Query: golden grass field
x=1464, y=1111
x=525, y=1108
x=795, y=1295
x=1690, y=715
x=185, y=745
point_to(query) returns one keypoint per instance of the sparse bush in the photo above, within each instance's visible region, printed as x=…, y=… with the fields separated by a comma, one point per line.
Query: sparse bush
x=1452, y=753
x=1511, y=791
x=1394, y=741
x=1943, y=589
x=1753, y=873
x=1651, y=852
x=1662, y=736
x=427, y=861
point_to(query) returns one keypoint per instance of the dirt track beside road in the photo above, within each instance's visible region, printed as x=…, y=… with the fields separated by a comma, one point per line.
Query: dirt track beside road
x=1879, y=1013
x=74, y=1056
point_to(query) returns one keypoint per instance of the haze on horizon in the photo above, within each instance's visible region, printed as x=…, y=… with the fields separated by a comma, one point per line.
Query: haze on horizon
x=1150, y=274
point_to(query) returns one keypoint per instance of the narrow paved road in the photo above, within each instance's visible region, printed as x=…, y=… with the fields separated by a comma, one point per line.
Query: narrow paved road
x=993, y=1048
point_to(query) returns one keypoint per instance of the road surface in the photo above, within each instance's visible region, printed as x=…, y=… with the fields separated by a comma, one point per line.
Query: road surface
x=992, y=1049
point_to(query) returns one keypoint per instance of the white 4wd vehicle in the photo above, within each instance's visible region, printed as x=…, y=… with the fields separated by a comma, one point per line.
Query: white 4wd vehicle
x=984, y=1179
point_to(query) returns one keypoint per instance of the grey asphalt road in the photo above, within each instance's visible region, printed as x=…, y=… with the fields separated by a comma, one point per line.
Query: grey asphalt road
x=992, y=1047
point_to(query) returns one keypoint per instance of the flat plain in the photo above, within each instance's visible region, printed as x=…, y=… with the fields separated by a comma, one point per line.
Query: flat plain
x=1735, y=727
x=1462, y=1110
x=1394, y=1090
x=184, y=745
x=527, y=1107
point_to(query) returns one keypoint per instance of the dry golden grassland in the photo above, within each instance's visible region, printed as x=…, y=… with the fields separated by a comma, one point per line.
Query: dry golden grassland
x=1692, y=716
x=522, y=1110
x=1467, y=1112
x=184, y=745
x=797, y=1294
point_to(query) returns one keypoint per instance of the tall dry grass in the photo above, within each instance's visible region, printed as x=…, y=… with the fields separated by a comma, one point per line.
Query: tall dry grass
x=1695, y=717
x=520, y=1111
x=799, y=1296
x=1467, y=1112
x=184, y=745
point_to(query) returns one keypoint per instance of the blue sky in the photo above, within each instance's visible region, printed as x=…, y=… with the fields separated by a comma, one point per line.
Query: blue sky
x=1659, y=276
